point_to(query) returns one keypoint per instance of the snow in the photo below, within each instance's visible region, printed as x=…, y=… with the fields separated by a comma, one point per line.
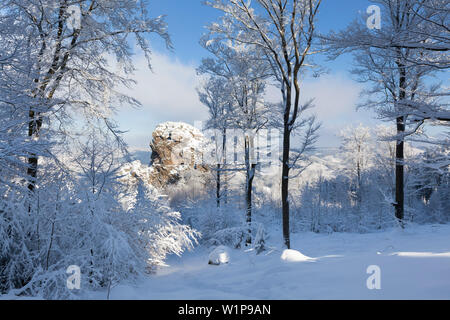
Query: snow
x=220, y=255
x=187, y=135
x=414, y=264
x=423, y=254
x=290, y=255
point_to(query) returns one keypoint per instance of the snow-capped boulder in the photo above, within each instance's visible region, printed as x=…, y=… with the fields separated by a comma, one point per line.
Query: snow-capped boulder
x=177, y=147
x=290, y=255
x=220, y=255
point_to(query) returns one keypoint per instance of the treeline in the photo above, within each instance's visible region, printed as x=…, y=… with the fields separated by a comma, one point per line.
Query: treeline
x=273, y=43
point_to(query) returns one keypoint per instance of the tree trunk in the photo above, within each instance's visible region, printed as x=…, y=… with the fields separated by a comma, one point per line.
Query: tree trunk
x=399, y=172
x=359, y=165
x=250, y=175
x=250, y=178
x=285, y=186
x=400, y=149
x=34, y=127
x=218, y=186
x=224, y=165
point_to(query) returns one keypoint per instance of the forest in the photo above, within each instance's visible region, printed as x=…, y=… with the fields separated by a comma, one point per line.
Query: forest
x=242, y=188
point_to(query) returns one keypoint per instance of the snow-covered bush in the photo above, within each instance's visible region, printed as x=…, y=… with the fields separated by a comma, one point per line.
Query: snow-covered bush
x=218, y=226
x=18, y=256
x=226, y=225
x=85, y=216
x=158, y=229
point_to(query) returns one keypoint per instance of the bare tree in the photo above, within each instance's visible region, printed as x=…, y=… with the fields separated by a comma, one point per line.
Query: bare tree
x=284, y=30
x=214, y=95
x=397, y=62
x=238, y=73
x=356, y=148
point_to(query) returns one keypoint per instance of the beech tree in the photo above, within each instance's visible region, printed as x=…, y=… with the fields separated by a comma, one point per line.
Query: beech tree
x=285, y=31
x=239, y=73
x=63, y=58
x=397, y=62
x=215, y=96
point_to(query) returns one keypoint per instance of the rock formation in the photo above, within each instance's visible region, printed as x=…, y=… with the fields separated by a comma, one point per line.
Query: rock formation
x=177, y=151
x=176, y=148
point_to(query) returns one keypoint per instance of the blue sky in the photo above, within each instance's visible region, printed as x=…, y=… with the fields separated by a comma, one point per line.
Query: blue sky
x=187, y=20
x=168, y=93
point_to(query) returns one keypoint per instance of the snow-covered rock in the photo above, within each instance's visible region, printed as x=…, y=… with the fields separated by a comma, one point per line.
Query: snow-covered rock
x=220, y=255
x=177, y=148
x=290, y=255
x=176, y=144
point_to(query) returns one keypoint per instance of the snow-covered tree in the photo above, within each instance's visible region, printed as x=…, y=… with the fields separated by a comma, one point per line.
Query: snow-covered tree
x=215, y=96
x=357, y=146
x=62, y=59
x=284, y=31
x=240, y=72
x=58, y=91
x=156, y=229
x=88, y=215
x=429, y=183
x=388, y=60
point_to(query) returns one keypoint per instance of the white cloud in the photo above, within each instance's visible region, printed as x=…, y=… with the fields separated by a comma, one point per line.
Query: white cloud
x=170, y=89
x=169, y=94
x=334, y=96
x=166, y=94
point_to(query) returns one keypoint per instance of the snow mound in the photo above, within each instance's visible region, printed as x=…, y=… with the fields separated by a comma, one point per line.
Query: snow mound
x=290, y=255
x=220, y=255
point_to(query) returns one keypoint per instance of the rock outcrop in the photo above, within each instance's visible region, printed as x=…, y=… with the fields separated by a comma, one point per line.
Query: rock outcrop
x=176, y=148
x=176, y=161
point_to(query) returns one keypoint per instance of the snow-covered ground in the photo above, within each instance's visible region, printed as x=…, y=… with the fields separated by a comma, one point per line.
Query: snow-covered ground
x=414, y=263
